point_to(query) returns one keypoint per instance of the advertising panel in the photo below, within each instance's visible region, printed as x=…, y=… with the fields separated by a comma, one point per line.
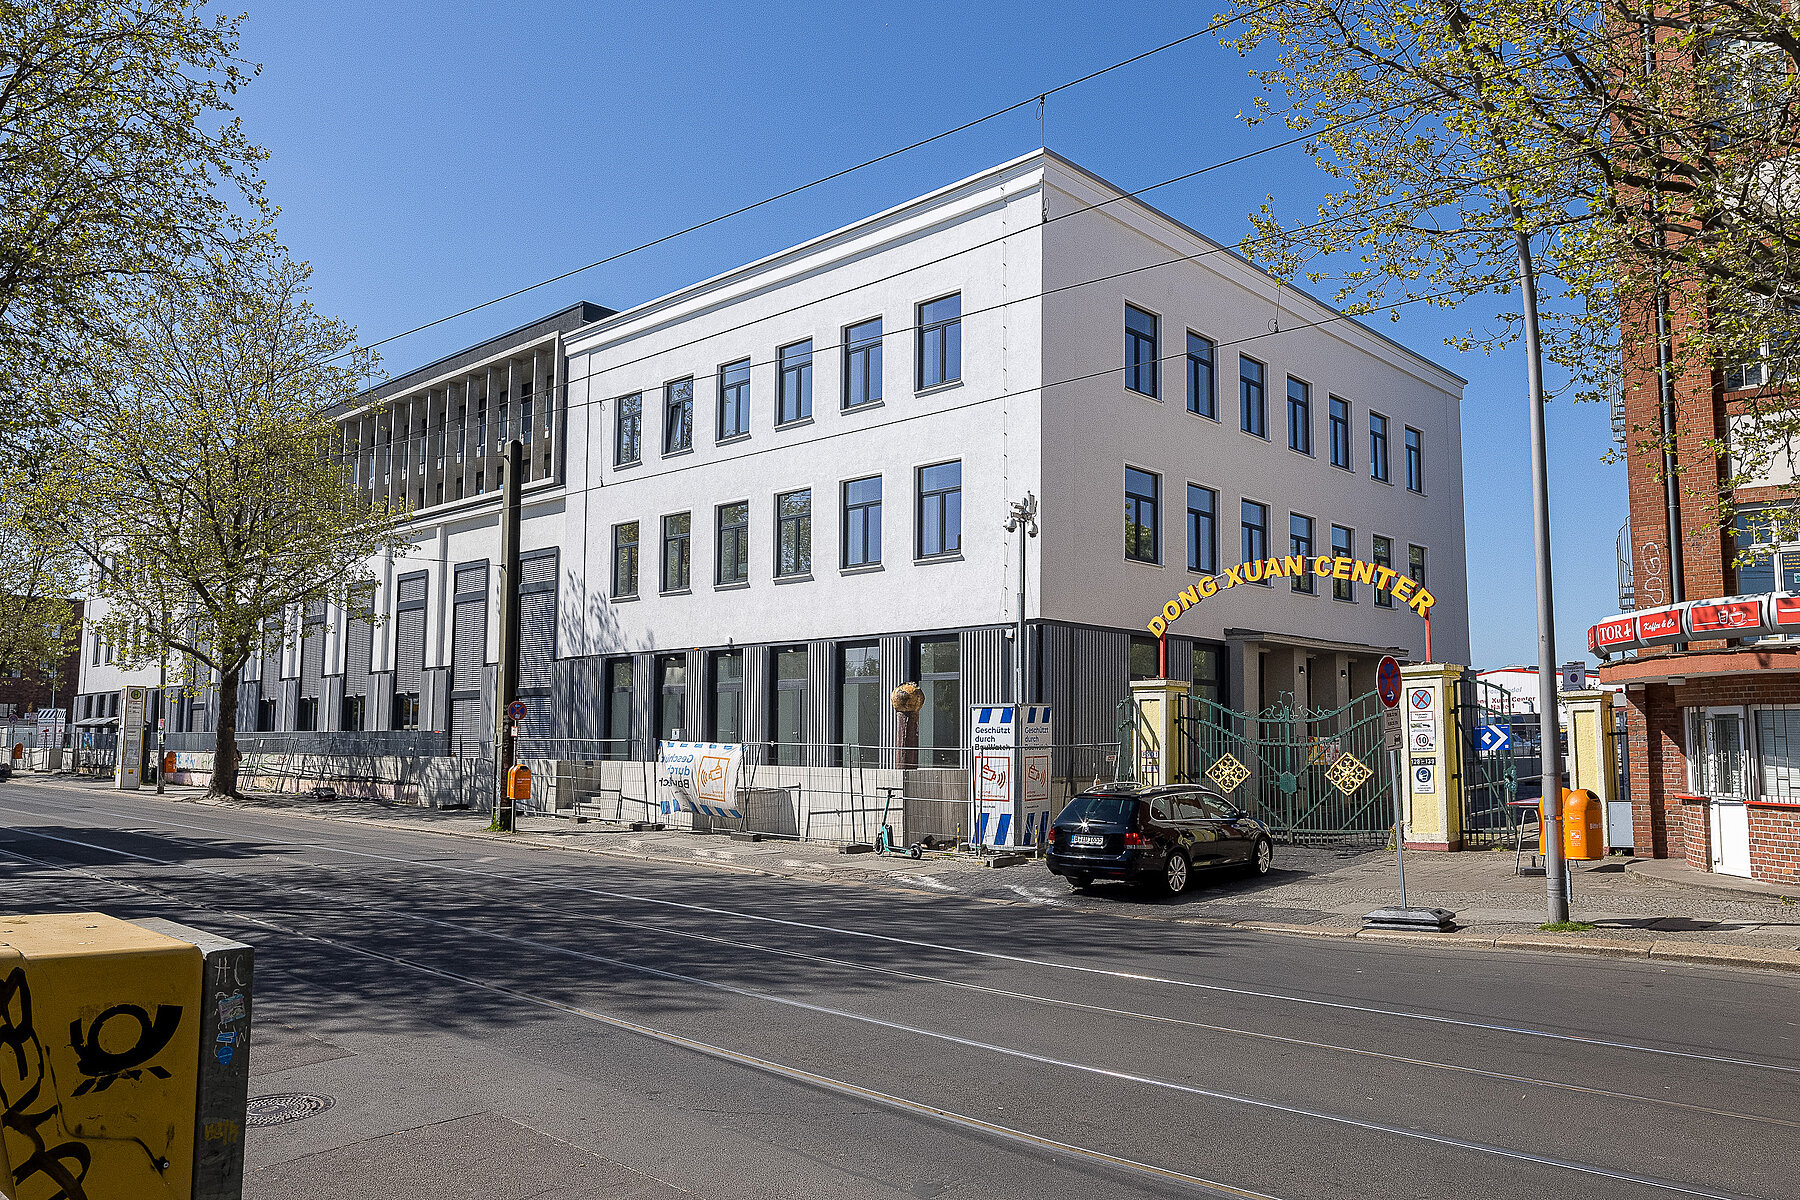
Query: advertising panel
x=1727, y=618
x=131, y=738
x=1660, y=626
x=698, y=778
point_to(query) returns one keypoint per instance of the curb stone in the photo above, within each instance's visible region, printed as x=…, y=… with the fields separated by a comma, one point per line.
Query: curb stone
x=1699, y=953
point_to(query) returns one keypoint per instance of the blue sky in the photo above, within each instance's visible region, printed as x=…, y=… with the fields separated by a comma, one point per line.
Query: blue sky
x=427, y=157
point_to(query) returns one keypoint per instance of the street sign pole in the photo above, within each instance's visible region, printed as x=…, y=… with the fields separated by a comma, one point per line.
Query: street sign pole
x=1388, y=685
x=1399, y=824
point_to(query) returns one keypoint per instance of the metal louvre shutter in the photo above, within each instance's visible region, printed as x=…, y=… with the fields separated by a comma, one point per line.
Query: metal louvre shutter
x=411, y=588
x=537, y=621
x=356, y=658
x=312, y=661
x=468, y=635
x=465, y=722
x=409, y=650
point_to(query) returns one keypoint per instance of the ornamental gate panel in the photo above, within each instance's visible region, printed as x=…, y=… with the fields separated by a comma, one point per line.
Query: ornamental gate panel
x=1483, y=719
x=1313, y=775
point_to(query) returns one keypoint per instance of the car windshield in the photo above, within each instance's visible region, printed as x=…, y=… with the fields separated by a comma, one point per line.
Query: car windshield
x=1110, y=809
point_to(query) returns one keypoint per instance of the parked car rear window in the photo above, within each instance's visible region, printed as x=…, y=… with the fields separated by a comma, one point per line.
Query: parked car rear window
x=1114, y=809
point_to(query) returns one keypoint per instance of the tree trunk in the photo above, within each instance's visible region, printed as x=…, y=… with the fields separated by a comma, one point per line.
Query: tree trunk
x=225, y=751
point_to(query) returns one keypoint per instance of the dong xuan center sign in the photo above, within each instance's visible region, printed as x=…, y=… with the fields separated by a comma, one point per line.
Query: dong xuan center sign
x=1292, y=566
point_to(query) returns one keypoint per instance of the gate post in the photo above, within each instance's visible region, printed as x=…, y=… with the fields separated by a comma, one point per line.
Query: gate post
x=1592, y=761
x=1157, y=706
x=1432, y=756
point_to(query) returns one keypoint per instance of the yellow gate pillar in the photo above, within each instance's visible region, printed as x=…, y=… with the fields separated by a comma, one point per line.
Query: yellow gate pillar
x=125, y=1066
x=1431, y=756
x=1593, y=755
x=1157, y=707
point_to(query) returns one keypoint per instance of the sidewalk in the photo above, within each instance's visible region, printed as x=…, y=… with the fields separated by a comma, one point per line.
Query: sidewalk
x=1640, y=908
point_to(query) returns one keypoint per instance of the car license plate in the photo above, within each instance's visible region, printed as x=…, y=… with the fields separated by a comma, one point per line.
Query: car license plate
x=1087, y=839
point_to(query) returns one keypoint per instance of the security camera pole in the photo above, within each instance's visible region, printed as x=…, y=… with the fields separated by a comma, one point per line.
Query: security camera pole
x=506, y=677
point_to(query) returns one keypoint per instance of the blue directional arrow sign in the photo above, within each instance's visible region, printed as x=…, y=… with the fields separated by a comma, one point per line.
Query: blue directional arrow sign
x=1494, y=738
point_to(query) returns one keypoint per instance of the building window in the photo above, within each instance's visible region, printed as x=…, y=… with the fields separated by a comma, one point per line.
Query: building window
x=1415, y=460
x=940, y=341
x=1208, y=681
x=628, y=432
x=1299, y=416
x=1378, y=454
x=618, y=708
x=794, y=399
x=677, y=531
x=734, y=542
x=1142, y=661
x=727, y=697
x=671, y=697
x=940, y=509
x=625, y=559
x=1143, y=525
x=306, y=719
x=940, y=719
x=1253, y=411
x=787, y=729
x=1383, y=556
x=1255, y=524
x=1143, y=370
x=1203, y=391
x=678, y=416
x=1300, y=541
x=1340, y=432
x=1202, y=529
x=1415, y=564
x=1343, y=545
x=406, y=710
x=862, y=522
x=1778, y=752
x=862, y=364
x=859, y=713
x=793, y=534
x=734, y=400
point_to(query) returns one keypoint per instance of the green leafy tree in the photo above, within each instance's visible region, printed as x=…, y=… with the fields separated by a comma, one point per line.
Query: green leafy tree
x=39, y=574
x=195, y=458
x=117, y=163
x=1646, y=150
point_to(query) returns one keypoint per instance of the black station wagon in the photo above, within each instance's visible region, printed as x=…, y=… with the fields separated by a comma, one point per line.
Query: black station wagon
x=1157, y=837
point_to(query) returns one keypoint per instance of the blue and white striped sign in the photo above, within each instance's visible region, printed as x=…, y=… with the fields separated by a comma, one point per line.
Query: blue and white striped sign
x=698, y=778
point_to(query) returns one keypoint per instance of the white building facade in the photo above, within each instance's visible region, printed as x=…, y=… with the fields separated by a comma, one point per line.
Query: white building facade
x=758, y=504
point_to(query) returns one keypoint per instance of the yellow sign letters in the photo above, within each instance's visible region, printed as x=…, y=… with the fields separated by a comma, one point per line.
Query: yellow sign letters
x=1353, y=569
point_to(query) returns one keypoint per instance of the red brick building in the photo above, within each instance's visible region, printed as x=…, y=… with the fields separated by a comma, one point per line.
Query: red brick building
x=1712, y=689
x=24, y=690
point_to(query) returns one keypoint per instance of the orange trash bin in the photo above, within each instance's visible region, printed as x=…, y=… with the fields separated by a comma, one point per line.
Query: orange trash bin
x=518, y=783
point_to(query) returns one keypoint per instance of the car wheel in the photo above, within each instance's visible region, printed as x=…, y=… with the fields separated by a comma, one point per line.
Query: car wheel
x=1176, y=874
x=1079, y=883
x=1262, y=857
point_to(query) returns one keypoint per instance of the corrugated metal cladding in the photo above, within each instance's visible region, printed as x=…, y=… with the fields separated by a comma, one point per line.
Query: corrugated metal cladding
x=465, y=722
x=357, y=668
x=537, y=622
x=1085, y=673
x=894, y=668
x=758, y=688
x=312, y=660
x=468, y=632
x=986, y=667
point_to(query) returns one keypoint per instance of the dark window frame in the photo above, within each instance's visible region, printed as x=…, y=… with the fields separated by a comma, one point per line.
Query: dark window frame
x=1378, y=447
x=1415, y=460
x=793, y=383
x=1260, y=530
x=866, y=514
x=1136, y=505
x=1203, y=376
x=944, y=335
x=1338, y=416
x=783, y=521
x=635, y=549
x=686, y=558
x=720, y=529
x=1381, y=553
x=933, y=514
x=1143, y=350
x=1344, y=547
x=1301, y=544
x=1203, y=530
x=628, y=414
x=734, y=399
x=1253, y=397
x=1300, y=434
x=862, y=364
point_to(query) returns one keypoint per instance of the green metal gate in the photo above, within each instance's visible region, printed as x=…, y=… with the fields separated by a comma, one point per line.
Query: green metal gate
x=1312, y=775
x=1490, y=779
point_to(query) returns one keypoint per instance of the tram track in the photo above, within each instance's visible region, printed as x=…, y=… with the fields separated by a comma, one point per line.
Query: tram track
x=797, y=1073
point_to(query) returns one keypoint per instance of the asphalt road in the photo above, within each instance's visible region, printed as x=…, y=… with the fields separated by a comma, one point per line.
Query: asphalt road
x=509, y=1023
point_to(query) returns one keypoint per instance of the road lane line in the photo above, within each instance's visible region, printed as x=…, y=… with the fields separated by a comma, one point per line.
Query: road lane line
x=1128, y=976
x=1107, y=1010
x=843, y=1014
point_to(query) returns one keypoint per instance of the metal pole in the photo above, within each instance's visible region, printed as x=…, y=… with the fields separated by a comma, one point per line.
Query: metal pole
x=1550, y=753
x=1665, y=371
x=162, y=710
x=506, y=680
x=1399, y=823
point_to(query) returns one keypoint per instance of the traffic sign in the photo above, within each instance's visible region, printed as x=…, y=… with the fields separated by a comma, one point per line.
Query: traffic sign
x=1494, y=738
x=1387, y=682
x=1391, y=735
x=516, y=710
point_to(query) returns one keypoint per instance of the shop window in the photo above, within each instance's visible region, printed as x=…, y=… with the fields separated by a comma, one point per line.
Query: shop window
x=671, y=697
x=940, y=720
x=618, y=708
x=859, y=715
x=728, y=696
x=788, y=727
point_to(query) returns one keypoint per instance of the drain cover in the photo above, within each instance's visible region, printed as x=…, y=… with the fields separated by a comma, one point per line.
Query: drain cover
x=280, y=1109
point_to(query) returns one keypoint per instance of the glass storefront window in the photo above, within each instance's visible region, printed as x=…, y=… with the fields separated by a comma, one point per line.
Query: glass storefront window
x=940, y=720
x=671, y=698
x=860, y=715
x=788, y=732
x=728, y=696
